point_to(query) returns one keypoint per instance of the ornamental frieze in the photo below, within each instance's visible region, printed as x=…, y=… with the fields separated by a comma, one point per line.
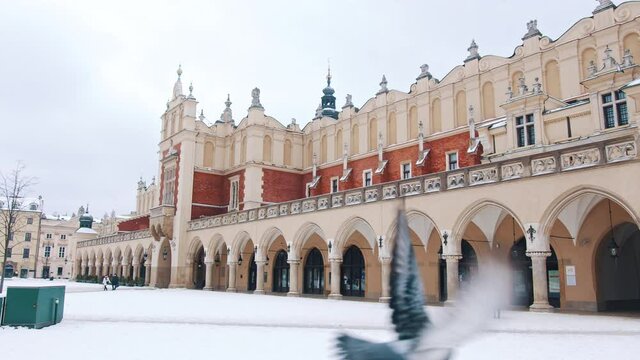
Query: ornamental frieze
x=621, y=152
x=580, y=159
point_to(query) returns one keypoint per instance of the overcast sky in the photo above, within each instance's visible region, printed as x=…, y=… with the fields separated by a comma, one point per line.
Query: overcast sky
x=85, y=82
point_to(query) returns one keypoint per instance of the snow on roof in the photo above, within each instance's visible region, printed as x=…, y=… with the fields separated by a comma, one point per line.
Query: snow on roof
x=635, y=82
x=497, y=121
x=575, y=104
x=86, y=231
x=24, y=204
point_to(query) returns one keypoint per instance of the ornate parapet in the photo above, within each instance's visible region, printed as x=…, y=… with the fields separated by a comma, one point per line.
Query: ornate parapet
x=621, y=151
x=580, y=159
x=128, y=236
x=483, y=176
x=543, y=166
x=161, y=221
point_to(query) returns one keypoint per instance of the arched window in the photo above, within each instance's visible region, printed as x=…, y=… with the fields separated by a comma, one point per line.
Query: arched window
x=309, y=153
x=199, y=269
x=632, y=42
x=461, y=109
x=588, y=57
x=266, y=148
x=355, y=140
x=436, y=117
x=281, y=273
x=373, y=134
x=323, y=149
x=314, y=273
x=353, y=273
x=243, y=150
x=287, y=152
x=552, y=79
x=338, y=145
x=488, y=101
x=468, y=265
x=391, y=129
x=208, y=154
x=413, y=123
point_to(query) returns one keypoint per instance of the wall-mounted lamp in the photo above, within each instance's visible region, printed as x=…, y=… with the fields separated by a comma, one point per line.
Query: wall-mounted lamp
x=531, y=231
x=288, y=247
x=240, y=259
x=445, y=236
x=380, y=242
x=330, y=246
x=255, y=249
x=165, y=252
x=216, y=258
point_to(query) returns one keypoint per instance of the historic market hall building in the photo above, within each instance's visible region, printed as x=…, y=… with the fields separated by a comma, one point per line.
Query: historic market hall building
x=530, y=159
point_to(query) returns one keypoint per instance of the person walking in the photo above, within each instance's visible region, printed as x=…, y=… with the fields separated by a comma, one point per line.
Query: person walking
x=105, y=282
x=115, y=282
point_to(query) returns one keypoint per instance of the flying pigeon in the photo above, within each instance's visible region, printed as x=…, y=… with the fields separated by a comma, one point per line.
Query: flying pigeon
x=418, y=338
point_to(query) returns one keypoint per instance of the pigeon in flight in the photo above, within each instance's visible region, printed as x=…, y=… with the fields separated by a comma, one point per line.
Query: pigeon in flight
x=418, y=337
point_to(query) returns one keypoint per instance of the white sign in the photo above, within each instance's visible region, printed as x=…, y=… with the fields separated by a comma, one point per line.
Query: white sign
x=570, y=272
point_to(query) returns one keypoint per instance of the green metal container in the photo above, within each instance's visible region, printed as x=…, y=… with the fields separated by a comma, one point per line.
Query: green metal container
x=1, y=308
x=34, y=307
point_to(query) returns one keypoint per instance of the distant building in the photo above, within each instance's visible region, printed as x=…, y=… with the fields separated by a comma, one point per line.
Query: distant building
x=529, y=159
x=23, y=242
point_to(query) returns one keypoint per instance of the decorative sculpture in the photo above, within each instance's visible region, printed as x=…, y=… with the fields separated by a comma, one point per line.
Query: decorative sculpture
x=255, y=98
x=424, y=72
x=383, y=86
x=348, y=102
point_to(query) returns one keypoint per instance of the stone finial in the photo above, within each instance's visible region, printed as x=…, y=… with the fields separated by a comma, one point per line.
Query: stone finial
x=424, y=72
x=227, y=114
x=179, y=71
x=383, y=86
x=532, y=30
x=604, y=5
x=191, y=92
x=345, y=150
x=141, y=184
x=177, y=87
x=153, y=180
x=293, y=121
x=537, y=87
x=255, y=99
x=627, y=59
x=473, y=51
x=348, y=101
x=420, y=129
x=202, y=117
x=167, y=104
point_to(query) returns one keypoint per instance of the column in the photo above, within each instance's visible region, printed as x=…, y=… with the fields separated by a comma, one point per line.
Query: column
x=293, y=277
x=232, y=277
x=99, y=270
x=105, y=269
x=259, y=277
x=335, y=279
x=208, y=275
x=124, y=269
x=453, y=282
x=83, y=266
x=147, y=273
x=136, y=271
x=386, y=272
x=540, y=286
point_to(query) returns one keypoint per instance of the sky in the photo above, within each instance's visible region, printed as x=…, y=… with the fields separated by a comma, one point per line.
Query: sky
x=85, y=82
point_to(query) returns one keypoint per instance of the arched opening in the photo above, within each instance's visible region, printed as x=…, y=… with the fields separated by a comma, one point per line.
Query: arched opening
x=588, y=60
x=436, y=116
x=142, y=270
x=391, y=129
x=309, y=154
x=522, y=276
x=631, y=42
x=488, y=101
x=461, y=109
x=373, y=134
x=355, y=140
x=163, y=276
x=353, y=273
x=266, y=148
x=252, y=279
x=281, y=273
x=314, y=273
x=468, y=265
x=208, y=154
x=243, y=150
x=323, y=149
x=413, y=123
x=338, y=146
x=232, y=153
x=8, y=271
x=618, y=276
x=552, y=79
x=199, y=269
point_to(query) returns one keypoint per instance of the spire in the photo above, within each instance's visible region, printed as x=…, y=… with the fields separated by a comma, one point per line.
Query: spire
x=329, y=74
x=177, y=87
x=191, y=92
x=328, y=100
x=202, y=117
x=227, y=114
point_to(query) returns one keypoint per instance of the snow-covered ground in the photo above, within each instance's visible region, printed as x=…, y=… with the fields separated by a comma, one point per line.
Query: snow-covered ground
x=190, y=324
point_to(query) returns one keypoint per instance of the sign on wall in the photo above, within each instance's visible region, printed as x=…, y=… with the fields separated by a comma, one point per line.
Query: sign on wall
x=570, y=272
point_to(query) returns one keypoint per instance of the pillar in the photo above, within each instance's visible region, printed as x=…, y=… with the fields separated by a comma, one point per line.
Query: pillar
x=232, y=277
x=386, y=272
x=114, y=268
x=105, y=269
x=99, y=270
x=540, y=286
x=335, y=279
x=259, y=277
x=453, y=281
x=208, y=276
x=147, y=273
x=294, y=265
x=136, y=271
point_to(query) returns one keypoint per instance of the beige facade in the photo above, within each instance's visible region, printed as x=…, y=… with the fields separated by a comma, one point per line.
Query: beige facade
x=22, y=251
x=554, y=194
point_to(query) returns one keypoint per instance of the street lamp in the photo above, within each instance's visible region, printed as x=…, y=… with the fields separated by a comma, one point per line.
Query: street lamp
x=613, y=245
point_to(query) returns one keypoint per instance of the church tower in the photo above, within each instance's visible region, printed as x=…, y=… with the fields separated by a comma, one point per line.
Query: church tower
x=328, y=100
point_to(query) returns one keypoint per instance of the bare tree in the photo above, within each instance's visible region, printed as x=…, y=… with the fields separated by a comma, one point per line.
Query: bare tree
x=13, y=188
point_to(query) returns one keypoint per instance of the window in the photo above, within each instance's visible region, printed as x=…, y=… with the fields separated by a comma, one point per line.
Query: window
x=61, y=251
x=525, y=130
x=452, y=161
x=33, y=207
x=10, y=236
x=25, y=253
x=406, y=170
x=614, y=109
x=59, y=270
x=49, y=236
x=234, y=194
x=9, y=252
x=63, y=237
x=27, y=236
x=334, y=185
x=367, y=178
x=169, y=185
x=29, y=221
x=47, y=251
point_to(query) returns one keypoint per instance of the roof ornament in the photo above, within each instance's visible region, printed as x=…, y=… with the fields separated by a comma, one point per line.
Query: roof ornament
x=202, y=117
x=319, y=111
x=609, y=61
x=348, y=101
x=537, y=87
x=191, y=92
x=227, y=114
x=383, y=86
x=177, y=87
x=627, y=59
x=593, y=68
x=509, y=92
x=532, y=30
x=523, y=89
x=255, y=99
x=604, y=4
x=473, y=51
x=424, y=72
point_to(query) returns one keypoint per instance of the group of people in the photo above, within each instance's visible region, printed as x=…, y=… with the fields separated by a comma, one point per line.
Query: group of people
x=112, y=280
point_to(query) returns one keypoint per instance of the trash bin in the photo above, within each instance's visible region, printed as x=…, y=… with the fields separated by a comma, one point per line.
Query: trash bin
x=34, y=307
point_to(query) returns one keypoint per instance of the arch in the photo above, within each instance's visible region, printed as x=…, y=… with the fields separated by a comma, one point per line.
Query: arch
x=420, y=223
x=194, y=246
x=252, y=278
x=413, y=123
x=352, y=273
x=552, y=79
x=215, y=244
x=239, y=242
x=392, y=129
x=138, y=253
x=436, y=116
x=287, y=153
x=631, y=41
x=313, y=278
x=373, y=134
x=461, y=108
x=355, y=140
x=588, y=57
x=323, y=149
x=338, y=145
x=281, y=270
x=198, y=268
x=217, y=251
x=352, y=225
x=303, y=234
x=488, y=101
x=243, y=150
x=266, y=149
x=267, y=239
x=208, y=154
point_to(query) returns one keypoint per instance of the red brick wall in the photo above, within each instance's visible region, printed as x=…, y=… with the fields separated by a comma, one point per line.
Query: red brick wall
x=281, y=186
x=208, y=189
x=227, y=187
x=200, y=211
x=140, y=223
